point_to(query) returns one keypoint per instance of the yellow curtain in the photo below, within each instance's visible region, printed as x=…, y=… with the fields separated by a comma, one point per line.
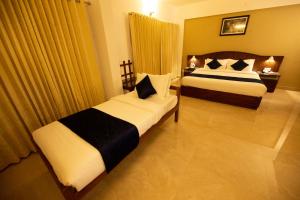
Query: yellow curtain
x=170, y=49
x=154, y=45
x=48, y=69
x=146, y=43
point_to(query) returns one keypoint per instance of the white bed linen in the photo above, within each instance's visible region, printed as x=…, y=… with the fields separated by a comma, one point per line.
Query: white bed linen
x=236, y=87
x=76, y=162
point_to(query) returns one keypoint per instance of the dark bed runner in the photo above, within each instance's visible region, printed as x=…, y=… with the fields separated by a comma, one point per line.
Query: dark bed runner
x=230, y=78
x=113, y=137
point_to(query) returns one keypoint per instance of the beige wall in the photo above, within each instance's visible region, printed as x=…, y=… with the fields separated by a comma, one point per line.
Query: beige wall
x=272, y=31
x=110, y=27
x=218, y=7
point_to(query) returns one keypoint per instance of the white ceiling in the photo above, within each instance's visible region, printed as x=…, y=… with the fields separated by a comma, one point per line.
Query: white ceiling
x=180, y=2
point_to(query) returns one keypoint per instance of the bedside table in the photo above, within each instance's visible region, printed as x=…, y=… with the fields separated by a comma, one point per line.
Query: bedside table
x=270, y=80
x=187, y=71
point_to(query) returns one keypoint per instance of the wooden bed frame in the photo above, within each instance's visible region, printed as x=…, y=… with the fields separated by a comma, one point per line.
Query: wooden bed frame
x=225, y=97
x=69, y=192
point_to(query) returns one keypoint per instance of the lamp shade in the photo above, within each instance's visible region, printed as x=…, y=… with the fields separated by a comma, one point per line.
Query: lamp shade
x=193, y=59
x=271, y=60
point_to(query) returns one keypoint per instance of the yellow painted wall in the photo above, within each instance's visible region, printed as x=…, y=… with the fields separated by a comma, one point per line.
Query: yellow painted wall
x=272, y=31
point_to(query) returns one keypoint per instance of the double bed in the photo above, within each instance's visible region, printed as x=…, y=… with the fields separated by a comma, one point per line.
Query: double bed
x=236, y=87
x=75, y=164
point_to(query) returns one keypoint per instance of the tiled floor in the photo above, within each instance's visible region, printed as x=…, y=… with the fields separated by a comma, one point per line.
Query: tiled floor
x=215, y=151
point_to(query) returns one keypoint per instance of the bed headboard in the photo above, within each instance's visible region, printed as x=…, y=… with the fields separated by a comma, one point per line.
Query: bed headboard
x=260, y=61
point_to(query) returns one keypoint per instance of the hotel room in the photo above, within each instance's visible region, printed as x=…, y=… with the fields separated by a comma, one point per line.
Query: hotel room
x=150, y=99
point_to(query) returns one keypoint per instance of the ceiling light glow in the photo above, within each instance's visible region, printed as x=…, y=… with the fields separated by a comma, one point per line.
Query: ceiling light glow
x=150, y=7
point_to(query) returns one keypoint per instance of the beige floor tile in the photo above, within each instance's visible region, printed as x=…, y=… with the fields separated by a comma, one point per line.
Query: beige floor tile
x=214, y=152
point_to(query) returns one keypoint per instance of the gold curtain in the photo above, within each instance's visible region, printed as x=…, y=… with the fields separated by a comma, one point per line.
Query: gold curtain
x=170, y=49
x=154, y=45
x=48, y=69
x=146, y=43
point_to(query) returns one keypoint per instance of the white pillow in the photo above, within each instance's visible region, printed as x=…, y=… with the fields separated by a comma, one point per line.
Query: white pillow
x=139, y=77
x=249, y=68
x=161, y=83
x=223, y=63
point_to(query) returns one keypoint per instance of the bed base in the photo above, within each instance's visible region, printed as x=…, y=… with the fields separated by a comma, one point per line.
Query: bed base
x=69, y=192
x=222, y=97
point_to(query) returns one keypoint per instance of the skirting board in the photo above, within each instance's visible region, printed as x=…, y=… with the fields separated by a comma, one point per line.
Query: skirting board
x=288, y=88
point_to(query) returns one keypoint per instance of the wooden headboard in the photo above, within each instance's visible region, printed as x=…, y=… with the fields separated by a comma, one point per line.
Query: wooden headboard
x=260, y=61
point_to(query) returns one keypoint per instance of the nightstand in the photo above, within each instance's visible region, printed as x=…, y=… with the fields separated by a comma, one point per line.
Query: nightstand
x=270, y=80
x=187, y=71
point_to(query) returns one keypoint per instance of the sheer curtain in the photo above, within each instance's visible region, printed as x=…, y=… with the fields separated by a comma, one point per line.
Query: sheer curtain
x=154, y=45
x=48, y=69
x=170, y=62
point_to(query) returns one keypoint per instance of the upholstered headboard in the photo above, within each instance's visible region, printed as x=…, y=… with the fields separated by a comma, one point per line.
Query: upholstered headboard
x=260, y=61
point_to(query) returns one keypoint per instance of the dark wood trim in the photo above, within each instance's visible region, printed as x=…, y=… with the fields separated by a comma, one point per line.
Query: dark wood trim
x=270, y=80
x=69, y=192
x=129, y=77
x=259, y=64
x=222, y=97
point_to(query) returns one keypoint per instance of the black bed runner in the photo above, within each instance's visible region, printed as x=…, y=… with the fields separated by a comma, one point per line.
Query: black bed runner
x=230, y=78
x=113, y=137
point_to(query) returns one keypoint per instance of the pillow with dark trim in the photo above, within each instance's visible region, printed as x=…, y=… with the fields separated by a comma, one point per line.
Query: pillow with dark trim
x=239, y=65
x=214, y=64
x=144, y=88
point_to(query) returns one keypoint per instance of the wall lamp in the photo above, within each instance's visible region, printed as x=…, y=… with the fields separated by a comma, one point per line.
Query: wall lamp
x=269, y=63
x=193, y=62
x=150, y=7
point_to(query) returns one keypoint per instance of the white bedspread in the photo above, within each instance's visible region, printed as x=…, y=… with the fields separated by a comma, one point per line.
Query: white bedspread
x=236, y=87
x=76, y=162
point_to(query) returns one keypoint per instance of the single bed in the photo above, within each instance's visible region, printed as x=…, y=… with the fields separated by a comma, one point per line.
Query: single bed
x=242, y=88
x=74, y=163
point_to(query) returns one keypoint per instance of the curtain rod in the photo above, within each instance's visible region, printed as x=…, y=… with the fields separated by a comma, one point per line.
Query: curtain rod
x=87, y=2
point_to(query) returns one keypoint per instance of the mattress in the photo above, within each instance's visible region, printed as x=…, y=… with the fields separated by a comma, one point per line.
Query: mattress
x=75, y=162
x=236, y=87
